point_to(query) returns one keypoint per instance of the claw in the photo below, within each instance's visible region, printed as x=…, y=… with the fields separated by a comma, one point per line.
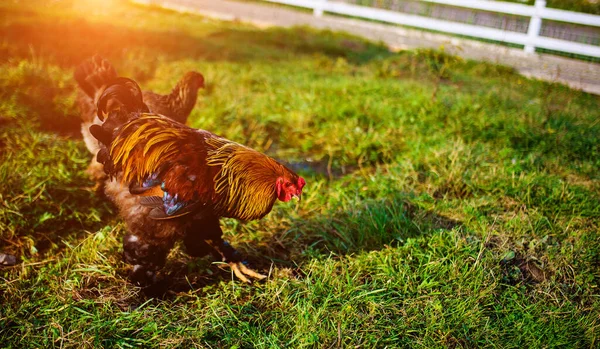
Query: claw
x=251, y=272
x=241, y=271
x=222, y=250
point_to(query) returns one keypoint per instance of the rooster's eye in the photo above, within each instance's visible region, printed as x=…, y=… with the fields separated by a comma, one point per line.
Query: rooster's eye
x=288, y=184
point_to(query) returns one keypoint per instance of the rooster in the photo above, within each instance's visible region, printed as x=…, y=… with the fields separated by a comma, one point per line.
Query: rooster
x=174, y=182
x=96, y=73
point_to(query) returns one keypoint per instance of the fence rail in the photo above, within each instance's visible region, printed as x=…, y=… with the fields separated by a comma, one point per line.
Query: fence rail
x=531, y=40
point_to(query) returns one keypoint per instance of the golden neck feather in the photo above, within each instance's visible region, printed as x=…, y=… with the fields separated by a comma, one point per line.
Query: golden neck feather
x=245, y=185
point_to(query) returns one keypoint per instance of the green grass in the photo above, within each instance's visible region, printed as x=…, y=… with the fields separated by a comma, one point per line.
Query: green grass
x=449, y=203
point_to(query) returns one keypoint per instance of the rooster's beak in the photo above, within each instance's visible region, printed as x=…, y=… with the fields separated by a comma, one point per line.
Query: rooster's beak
x=297, y=197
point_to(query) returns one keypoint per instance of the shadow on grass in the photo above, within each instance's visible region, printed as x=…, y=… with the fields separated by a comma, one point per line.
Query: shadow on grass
x=369, y=227
x=66, y=212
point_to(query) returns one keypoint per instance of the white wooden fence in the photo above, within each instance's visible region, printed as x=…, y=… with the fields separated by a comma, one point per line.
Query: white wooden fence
x=530, y=40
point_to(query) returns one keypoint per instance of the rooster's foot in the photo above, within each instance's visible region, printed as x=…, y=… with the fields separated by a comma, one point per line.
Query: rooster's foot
x=241, y=271
x=224, y=251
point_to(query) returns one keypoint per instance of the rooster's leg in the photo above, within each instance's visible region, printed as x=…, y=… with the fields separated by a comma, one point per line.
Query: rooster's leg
x=195, y=246
x=146, y=258
x=205, y=236
x=222, y=249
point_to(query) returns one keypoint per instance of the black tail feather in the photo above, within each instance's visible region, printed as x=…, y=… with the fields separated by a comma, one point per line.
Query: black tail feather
x=93, y=74
x=100, y=134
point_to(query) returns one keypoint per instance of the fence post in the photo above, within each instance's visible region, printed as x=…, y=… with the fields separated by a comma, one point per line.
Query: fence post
x=535, y=24
x=318, y=10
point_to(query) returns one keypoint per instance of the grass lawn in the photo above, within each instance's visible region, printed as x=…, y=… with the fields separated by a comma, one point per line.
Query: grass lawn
x=449, y=203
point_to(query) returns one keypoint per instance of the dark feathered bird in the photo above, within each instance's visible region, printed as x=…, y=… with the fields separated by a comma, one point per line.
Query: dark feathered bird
x=174, y=182
x=95, y=74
